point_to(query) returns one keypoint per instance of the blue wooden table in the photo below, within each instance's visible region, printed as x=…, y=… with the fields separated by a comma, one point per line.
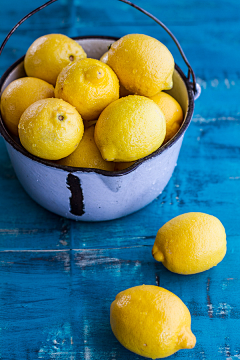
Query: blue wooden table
x=59, y=277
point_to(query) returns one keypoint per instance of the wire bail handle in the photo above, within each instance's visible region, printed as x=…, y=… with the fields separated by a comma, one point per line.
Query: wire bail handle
x=195, y=87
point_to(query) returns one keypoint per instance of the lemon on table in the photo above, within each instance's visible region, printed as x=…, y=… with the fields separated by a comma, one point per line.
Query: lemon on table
x=18, y=96
x=87, y=154
x=89, y=85
x=143, y=64
x=129, y=129
x=172, y=111
x=49, y=54
x=123, y=165
x=50, y=129
x=122, y=90
x=190, y=243
x=151, y=321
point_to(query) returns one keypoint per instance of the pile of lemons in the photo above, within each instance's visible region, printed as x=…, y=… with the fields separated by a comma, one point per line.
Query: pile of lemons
x=84, y=112
x=106, y=114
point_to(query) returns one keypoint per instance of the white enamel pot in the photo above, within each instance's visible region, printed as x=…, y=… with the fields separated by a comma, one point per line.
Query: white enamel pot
x=91, y=194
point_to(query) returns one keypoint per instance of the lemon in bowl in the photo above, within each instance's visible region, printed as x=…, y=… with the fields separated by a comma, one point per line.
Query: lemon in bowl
x=143, y=64
x=18, y=96
x=49, y=54
x=87, y=154
x=50, y=129
x=94, y=194
x=172, y=111
x=129, y=129
x=89, y=85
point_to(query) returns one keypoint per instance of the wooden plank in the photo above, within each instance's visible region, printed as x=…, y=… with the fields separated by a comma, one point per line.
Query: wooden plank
x=56, y=304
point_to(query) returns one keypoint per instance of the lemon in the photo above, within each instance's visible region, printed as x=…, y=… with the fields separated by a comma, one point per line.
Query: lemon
x=122, y=90
x=172, y=111
x=87, y=124
x=50, y=129
x=151, y=321
x=87, y=154
x=104, y=58
x=18, y=96
x=143, y=64
x=190, y=243
x=89, y=85
x=49, y=54
x=129, y=129
x=122, y=165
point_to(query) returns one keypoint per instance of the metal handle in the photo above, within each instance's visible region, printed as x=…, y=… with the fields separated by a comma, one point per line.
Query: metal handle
x=196, y=87
x=21, y=21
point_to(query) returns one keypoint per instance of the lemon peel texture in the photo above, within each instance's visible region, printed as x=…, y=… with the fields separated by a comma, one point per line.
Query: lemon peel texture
x=143, y=64
x=151, y=321
x=129, y=129
x=190, y=243
x=50, y=129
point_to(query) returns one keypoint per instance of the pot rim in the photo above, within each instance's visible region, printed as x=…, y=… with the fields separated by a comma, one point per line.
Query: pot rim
x=70, y=169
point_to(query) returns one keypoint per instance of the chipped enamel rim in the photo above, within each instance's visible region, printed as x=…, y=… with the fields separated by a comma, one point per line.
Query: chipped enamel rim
x=137, y=163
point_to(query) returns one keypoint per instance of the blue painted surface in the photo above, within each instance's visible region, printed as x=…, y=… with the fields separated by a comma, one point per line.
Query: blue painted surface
x=59, y=277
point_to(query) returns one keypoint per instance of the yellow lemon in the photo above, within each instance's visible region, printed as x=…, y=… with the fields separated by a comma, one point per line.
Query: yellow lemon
x=50, y=129
x=49, y=54
x=88, y=124
x=172, y=111
x=18, y=96
x=151, y=321
x=87, y=154
x=143, y=64
x=122, y=90
x=122, y=165
x=104, y=58
x=89, y=85
x=190, y=243
x=129, y=129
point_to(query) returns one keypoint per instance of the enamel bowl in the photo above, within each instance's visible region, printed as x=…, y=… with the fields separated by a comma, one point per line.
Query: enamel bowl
x=92, y=194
